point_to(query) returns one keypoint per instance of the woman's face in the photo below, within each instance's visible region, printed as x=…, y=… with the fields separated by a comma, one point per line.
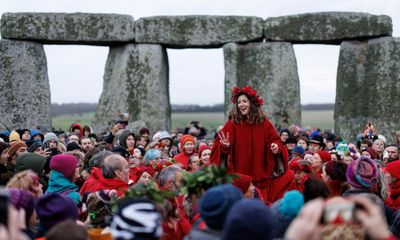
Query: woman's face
x=145, y=178
x=317, y=161
x=243, y=104
x=284, y=136
x=324, y=175
x=302, y=144
x=130, y=141
x=189, y=147
x=205, y=156
x=378, y=145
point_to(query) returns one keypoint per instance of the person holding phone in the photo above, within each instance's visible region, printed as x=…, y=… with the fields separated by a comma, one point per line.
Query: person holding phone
x=249, y=144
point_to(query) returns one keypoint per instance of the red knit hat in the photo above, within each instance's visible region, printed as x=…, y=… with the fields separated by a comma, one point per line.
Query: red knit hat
x=242, y=182
x=187, y=138
x=64, y=164
x=202, y=148
x=325, y=156
x=394, y=169
x=371, y=152
x=298, y=164
x=144, y=169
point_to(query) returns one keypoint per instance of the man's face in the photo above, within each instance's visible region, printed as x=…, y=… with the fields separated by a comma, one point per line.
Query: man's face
x=26, y=136
x=313, y=147
x=73, y=138
x=393, y=153
x=52, y=143
x=86, y=144
x=124, y=172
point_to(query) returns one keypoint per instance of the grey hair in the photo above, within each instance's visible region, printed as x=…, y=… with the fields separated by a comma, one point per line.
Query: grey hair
x=99, y=157
x=191, y=157
x=167, y=174
x=110, y=165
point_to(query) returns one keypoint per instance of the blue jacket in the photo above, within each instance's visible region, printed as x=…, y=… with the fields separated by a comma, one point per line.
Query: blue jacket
x=58, y=183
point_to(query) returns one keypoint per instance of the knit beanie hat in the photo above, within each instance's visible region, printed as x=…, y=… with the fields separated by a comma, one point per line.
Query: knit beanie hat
x=343, y=149
x=336, y=170
x=186, y=138
x=363, y=173
x=35, y=145
x=35, y=132
x=299, y=151
x=242, y=182
x=50, y=136
x=31, y=161
x=64, y=164
x=394, y=169
x=152, y=154
x=136, y=219
x=202, y=148
x=22, y=199
x=248, y=219
x=14, y=136
x=15, y=146
x=298, y=164
x=325, y=156
x=291, y=204
x=216, y=203
x=54, y=208
x=143, y=169
x=371, y=152
x=73, y=146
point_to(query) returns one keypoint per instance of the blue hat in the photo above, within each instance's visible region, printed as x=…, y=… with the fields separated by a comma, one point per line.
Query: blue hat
x=298, y=150
x=248, y=219
x=215, y=204
x=291, y=204
x=5, y=132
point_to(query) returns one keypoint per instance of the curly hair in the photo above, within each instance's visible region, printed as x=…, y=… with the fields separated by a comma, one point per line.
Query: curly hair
x=256, y=114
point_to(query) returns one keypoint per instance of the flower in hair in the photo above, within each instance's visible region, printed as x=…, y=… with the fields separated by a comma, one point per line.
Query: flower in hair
x=250, y=92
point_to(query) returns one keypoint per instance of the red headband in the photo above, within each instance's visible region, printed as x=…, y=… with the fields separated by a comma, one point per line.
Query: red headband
x=250, y=92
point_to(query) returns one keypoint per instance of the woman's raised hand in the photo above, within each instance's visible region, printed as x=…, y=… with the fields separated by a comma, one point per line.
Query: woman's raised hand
x=224, y=140
x=274, y=148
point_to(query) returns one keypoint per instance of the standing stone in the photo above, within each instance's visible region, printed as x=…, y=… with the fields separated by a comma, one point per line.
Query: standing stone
x=68, y=28
x=271, y=69
x=25, y=90
x=136, y=82
x=327, y=27
x=368, y=84
x=198, y=31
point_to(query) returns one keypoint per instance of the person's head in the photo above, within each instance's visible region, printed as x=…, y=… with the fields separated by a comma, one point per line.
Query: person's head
x=248, y=219
x=393, y=172
x=50, y=140
x=98, y=159
x=36, y=147
x=86, y=144
x=31, y=161
x=67, y=230
x=319, y=158
x=73, y=137
x=66, y=165
x=126, y=224
x=36, y=135
x=368, y=152
x=302, y=141
x=21, y=199
x=316, y=143
x=378, y=146
x=145, y=175
x=115, y=166
x=216, y=203
x=301, y=168
x=141, y=141
x=25, y=134
x=14, y=136
x=152, y=155
x=393, y=153
x=194, y=162
x=204, y=155
x=28, y=181
x=165, y=139
x=86, y=131
x=54, y=208
x=127, y=139
x=334, y=170
x=245, y=185
x=16, y=149
x=315, y=188
x=188, y=144
x=73, y=147
x=363, y=174
x=284, y=134
x=170, y=178
x=246, y=106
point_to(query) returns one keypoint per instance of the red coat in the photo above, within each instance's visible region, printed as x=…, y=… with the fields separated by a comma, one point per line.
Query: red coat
x=96, y=182
x=183, y=159
x=250, y=154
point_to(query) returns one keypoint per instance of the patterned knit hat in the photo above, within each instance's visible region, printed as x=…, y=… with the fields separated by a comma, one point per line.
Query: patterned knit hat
x=242, y=182
x=363, y=173
x=15, y=146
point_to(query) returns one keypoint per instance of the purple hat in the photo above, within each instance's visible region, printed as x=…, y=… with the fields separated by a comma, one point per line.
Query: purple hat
x=22, y=199
x=64, y=164
x=363, y=173
x=54, y=208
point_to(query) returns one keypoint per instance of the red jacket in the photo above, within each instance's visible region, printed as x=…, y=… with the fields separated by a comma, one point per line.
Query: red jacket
x=183, y=159
x=96, y=182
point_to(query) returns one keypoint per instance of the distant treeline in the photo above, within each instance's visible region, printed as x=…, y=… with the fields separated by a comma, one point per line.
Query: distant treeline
x=79, y=108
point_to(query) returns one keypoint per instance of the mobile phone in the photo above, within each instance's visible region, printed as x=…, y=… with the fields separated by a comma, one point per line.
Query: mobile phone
x=338, y=212
x=4, y=201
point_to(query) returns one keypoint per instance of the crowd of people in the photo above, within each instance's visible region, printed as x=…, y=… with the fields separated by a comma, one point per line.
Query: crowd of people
x=243, y=181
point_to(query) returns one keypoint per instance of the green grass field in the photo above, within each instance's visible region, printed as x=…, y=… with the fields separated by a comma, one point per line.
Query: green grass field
x=321, y=118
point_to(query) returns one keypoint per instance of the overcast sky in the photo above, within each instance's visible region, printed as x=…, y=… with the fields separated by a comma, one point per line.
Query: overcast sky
x=76, y=72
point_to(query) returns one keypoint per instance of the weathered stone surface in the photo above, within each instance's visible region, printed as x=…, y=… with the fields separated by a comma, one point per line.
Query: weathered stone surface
x=270, y=68
x=198, y=31
x=25, y=90
x=69, y=28
x=136, y=82
x=368, y=83
x=326, y=27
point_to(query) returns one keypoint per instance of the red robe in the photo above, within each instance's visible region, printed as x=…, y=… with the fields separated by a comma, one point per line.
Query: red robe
x=250, y=153
x=96, y=182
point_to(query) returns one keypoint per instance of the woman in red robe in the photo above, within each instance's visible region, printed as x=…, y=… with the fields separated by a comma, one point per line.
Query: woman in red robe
x=249, y=144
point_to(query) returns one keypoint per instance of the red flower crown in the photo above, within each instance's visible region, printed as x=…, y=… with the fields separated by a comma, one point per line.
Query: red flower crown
x=252, y=93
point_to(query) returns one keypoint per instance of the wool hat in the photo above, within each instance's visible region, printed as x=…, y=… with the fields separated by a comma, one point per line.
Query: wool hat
x=291, y=204
x=152, y=154
x=35, y=132
x=15, y=146
x=371, y=152
x=31, y=161
x=73, y=146
x=64, y=164
x=53, y=208
x=286, y=131
x=325, y=156
x=50, y=136
x=186, y=138
x=336, y=170
x=394, y=169
x=202, y=148
x=136, y=219
x=298, y=164
x=362, y=173
x=143, y=169
x=343, y=149
x=164, y=135
x=22, y=199
x=299, y=151
x=216, y=203
x=318, y=140
x=248, y=219
x=242, y=182
x=35, y=145
x=14, y=136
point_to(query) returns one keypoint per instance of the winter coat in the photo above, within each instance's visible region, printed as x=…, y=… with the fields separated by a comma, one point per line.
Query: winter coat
x=96, y=182
x=58, y=183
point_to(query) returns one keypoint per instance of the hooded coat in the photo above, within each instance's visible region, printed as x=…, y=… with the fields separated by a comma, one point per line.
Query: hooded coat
x=58, y=183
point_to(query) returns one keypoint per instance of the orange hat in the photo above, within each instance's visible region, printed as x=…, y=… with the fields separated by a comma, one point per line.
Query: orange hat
x=187, y=138
x=15, y=146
